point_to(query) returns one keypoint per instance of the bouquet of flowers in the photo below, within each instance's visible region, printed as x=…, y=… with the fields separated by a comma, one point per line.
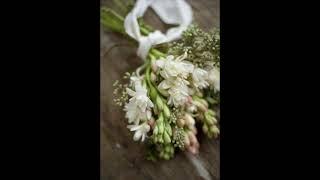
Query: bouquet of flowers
x=174, y=93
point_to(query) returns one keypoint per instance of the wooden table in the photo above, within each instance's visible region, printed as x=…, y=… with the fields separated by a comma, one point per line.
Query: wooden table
x=121, y=157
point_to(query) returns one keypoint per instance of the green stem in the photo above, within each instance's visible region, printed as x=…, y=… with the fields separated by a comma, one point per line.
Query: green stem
x=157, y=53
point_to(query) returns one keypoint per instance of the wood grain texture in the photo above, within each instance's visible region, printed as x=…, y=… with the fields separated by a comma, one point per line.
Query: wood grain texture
x=121, y=157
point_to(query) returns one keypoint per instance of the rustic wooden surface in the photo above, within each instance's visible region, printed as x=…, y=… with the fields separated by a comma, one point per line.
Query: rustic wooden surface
x=121, y=157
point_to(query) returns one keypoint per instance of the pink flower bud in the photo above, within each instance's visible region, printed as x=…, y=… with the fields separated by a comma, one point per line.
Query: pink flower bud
x=189, y=119
x=186, y=141
x=153, y=77
x=154, y=66
x=151, y=122
x=181, y=122
x=194, y=130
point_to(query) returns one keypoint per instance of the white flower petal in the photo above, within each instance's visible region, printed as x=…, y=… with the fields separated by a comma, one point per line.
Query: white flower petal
x=165, y=84
x=148, y=115
x=160, y=63
x=200, y=78
x=214, y=78
x=130, y=92
x=137, y=135
x=134, y=127
x=150, y=104
x=143, y=136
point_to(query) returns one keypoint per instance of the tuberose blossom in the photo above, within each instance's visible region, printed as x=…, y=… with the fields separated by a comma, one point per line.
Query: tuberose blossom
x=214, y=78
x=140, y=131
x=178, y=94
x=200, y=78
x=139, y=106
x=175, y=72
x=171, y=67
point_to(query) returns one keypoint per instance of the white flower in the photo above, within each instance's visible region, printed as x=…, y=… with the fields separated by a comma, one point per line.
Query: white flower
x=171, y=82
x=139, y=96
x=171, y=67
x=178, y=95
x=140, y=131
x=175, y=72
x=214, y=78
x=139, y=105
x=200, y=78
x=135, y=114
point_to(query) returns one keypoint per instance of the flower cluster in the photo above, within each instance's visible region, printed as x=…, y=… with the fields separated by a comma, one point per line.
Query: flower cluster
x=173, y=93
x=138, y=109
x=167, y=97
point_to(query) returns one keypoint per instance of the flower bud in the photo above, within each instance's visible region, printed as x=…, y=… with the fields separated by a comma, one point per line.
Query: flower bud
x=208, y=118
x=153, y=93
x=214, y=130
x=161, y=128
x=181, y=122
x=215, y=121
x=153, y=77
x=211, y=112
x=202, y=101
x=197, y=145
x=152, y=123
x=193, y=129
x=200, y=106
x=154, y=66
x=161, y=154
x=168, y=129
x=166, y=111
x=201, y=117
x=155, y=110
x=166, y=156
x=193, y=149
x=163, y=92
x=160, y=139
x=209, y=121
x=172, y=150
x=199, y=94
x=166, y=138
x=167, y=149
x=186, y=141
x=189, y=99
x=205, y=128
x=192, y=108
x=159, y=103
x=189, y=119
x=160, y=118
x=192, y=138
x=155, y=139
x=156, y=130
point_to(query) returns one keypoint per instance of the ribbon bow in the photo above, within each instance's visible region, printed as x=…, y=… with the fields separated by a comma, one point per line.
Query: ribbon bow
x=170, y=12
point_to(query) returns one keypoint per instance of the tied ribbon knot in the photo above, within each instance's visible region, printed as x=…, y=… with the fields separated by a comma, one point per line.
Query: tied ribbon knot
x=170, y=12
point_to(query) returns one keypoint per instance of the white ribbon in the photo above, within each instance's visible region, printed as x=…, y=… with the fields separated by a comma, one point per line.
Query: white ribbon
x=170, y=12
